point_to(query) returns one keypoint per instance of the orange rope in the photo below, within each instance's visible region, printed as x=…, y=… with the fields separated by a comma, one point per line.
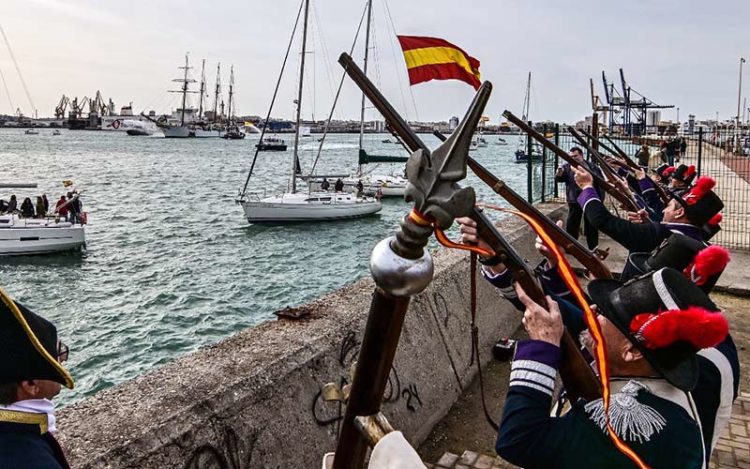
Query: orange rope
x=423, y=220
x=571, y=281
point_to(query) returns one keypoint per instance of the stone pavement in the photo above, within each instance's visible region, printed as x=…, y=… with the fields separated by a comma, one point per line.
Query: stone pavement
x=733, y=448
x=469, y=460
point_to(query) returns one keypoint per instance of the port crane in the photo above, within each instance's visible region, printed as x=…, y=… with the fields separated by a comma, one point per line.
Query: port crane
x=61, y=107
x=627, y=108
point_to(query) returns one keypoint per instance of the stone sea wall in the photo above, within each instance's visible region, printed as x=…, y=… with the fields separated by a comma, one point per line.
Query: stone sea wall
x=253, y=400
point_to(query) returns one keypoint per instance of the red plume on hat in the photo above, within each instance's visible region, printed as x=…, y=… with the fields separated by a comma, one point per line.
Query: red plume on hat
x=716, y=219
x=697, y=326
x=690, y=172
x=702, y=187
x=668, y=171
x=707, y=263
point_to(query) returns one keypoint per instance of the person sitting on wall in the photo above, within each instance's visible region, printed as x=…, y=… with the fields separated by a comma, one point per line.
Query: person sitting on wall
x=27, y=208
x=339, y=185
x=31, y=375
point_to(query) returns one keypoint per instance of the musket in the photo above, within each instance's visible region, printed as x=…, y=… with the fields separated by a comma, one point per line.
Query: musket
x=665, y=198
x=619, y=154
x=400, y=265
x=575, y=372
x=610, y=188
x=609, y=173
x=591, y=260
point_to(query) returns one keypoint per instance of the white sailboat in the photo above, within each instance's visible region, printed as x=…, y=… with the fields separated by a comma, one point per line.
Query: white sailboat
x=297, y=206
x=380, y=185
x=536, y=149
x=25, y=236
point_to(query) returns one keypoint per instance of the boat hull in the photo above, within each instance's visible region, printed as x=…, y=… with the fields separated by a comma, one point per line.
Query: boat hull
x=19, y=241
x=277, y=210
x=269, y=147
x=176, y=132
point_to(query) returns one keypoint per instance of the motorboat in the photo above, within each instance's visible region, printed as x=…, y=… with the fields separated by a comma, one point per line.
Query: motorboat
x=234, y=133
x=25, y=236
x=501, y=141
x=31, y=132
x=305, y=207
x=56, y=132
x=138, y=128
x=271, y=144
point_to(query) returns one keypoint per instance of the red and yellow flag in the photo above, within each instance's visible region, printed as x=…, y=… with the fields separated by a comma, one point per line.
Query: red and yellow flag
x=429, y=58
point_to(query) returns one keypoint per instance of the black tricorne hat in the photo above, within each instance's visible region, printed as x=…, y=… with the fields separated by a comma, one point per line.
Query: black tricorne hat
x=662, y=290
x=28, y=346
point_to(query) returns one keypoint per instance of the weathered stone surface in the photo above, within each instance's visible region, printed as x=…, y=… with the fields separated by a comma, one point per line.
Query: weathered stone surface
x=253, y=401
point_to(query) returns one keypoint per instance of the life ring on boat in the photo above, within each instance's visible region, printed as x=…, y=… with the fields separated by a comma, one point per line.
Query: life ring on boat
x=116, y=124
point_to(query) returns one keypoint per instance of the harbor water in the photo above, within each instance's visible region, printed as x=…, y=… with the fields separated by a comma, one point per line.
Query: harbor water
x=170, y=263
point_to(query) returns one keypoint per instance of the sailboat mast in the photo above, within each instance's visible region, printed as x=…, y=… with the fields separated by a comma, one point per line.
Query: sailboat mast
x=203, y=89
x=217, y=90
x=295, y=156
x=184, y=92
x=527, y=99
x=367, y=54
x=231, y=93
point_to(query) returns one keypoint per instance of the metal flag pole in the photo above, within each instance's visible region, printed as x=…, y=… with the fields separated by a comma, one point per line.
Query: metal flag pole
x=400, y=265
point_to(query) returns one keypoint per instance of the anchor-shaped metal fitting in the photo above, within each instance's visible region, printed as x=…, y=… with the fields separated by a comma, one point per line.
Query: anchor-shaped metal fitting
x=332, y=392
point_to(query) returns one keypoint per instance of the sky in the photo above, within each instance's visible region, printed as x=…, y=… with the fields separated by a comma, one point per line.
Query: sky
x=681, y=52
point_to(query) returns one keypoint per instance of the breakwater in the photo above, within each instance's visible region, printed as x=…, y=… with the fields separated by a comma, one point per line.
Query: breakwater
x=254, y=400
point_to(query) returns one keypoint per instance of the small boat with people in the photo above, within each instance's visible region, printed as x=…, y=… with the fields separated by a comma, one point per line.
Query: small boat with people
x=56, y=132
x=27, y=230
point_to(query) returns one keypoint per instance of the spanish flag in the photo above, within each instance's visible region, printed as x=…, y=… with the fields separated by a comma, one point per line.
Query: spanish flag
x=429, y=58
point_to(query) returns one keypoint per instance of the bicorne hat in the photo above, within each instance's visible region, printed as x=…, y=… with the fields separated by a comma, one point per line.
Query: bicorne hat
x=701, y=203
x=684, y=173
x=28, y=346
x=699, y=262
x=666, y=317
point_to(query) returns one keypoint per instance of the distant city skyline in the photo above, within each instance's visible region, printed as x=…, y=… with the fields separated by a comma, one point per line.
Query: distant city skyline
x=684, y=53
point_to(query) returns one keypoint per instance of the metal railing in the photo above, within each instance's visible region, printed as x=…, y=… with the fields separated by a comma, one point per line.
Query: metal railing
x=721, y=153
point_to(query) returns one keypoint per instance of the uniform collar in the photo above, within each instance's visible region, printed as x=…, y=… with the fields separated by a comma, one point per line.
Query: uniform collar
x=39, y=412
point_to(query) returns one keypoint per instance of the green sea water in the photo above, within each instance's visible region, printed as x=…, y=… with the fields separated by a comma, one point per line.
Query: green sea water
x=170, y=263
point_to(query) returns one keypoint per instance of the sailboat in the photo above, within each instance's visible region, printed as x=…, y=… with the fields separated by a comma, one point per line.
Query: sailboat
x=381, y=185
x=171, y=128
x=297, y=206
x=536, y=150
x=233, y=131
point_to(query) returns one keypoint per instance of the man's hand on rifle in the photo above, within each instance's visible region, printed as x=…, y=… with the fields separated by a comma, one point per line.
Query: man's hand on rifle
x=541, y=324
x=582, y=177
x=640, y=174
x=641, y=216
x=469, y=235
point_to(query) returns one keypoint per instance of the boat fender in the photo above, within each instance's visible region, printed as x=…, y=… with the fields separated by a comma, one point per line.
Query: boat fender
x=116, y=124
x=84, y=218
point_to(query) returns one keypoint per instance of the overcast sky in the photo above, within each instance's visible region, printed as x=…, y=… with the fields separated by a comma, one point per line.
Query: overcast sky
x=681, y=52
